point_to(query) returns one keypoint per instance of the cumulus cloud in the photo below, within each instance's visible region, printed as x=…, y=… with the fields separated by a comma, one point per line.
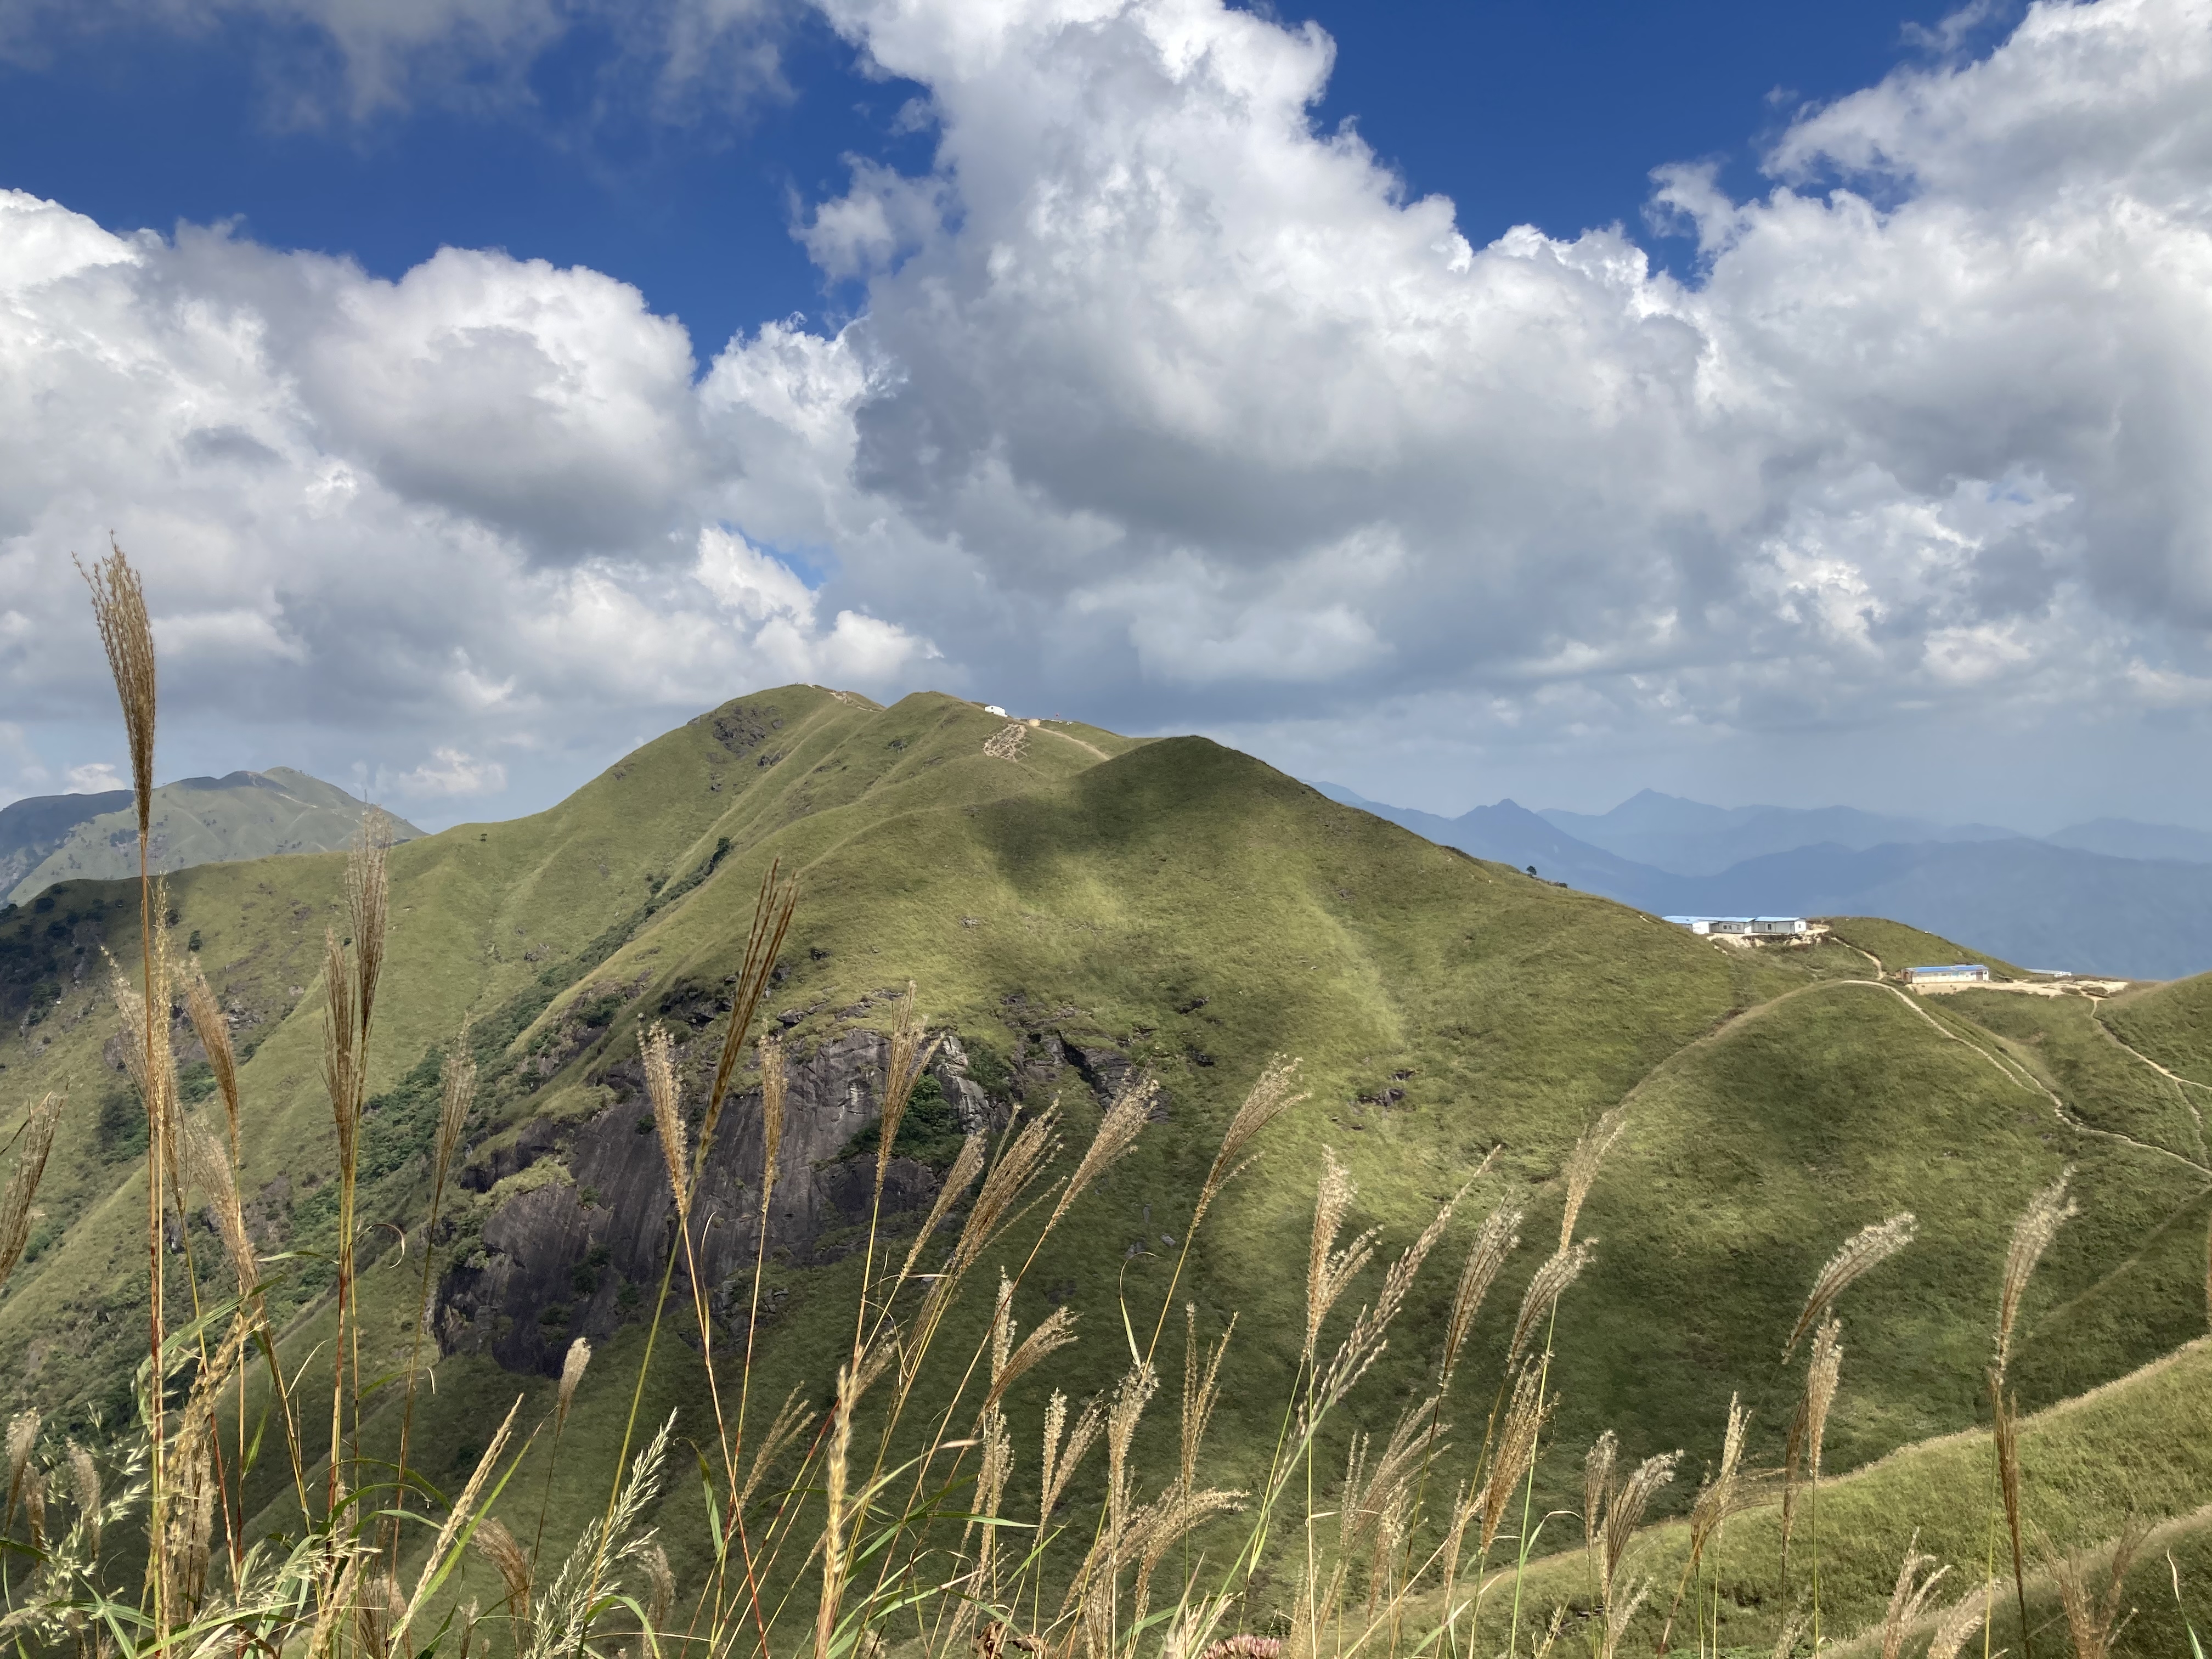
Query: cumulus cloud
x=370, y=506
x=1164, y=403
x=1206, y=401
x=93, y=780
x=450, y=772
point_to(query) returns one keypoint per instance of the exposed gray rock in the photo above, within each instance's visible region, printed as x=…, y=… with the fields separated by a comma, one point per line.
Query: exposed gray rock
x=558, y=1253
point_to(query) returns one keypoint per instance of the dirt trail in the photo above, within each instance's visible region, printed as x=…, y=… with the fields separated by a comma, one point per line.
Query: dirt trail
x=1070, y=736
x=2097, y=1013
x=2010, y=1070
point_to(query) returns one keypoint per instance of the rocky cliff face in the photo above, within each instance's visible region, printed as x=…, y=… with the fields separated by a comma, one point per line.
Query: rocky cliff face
x=577, y=1217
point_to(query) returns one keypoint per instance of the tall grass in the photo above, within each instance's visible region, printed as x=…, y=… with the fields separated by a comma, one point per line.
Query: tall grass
x=893, y=1518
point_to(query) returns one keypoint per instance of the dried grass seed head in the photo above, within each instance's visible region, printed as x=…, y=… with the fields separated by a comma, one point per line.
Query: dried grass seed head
x=212, y=1027
x=1545, y=1286
x=36, y=1143
x=791, y=1419
x=1597, y=1482
x=1060, y=1468
x=1865, y=1249
x=369, y=907
x=572, y=1374
x=2039, y=1225
x=659, y=1050
x=209, y=1168
x=1055, y=1332
x=772, y=911
x=1911, y=1594
x=1582, y=1164
x=660, y=1600
x=775, y=1084
x=1201, y=1390
x=1268, y=1099
x=1626, y=1512
x=967, y=1164
x=1960, y=1620
x=1329, y=1270
x=1496, y=1239
x=119, y=607
x=1018, y=1165
x=509, y=1560
x=2093, y=1617
x=1822, y=1373
x=1514, y=1452
x=1123, y=1121
x=910, y=1054
x=456, y=1097
x=22, y=1436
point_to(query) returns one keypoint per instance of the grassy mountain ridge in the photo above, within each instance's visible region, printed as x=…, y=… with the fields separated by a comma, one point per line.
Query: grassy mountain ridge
x=242, y=815
x=1173, y=904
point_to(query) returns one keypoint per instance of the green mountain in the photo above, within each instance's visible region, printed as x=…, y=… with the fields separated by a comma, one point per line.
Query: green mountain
x=243, y=815
x=1073, y=904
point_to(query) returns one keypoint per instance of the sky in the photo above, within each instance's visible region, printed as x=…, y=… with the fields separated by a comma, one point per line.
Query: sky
x=1459, y=401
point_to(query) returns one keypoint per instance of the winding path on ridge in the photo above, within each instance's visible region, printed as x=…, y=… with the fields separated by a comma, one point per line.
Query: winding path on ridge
x=2007, y=1068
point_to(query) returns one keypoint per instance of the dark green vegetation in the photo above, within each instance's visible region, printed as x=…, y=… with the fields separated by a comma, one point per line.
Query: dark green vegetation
x=1093, y=902
x=244, y=815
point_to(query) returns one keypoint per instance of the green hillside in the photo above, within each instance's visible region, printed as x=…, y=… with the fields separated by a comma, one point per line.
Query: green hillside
x=1072, y=905
x=1898, y=947
x=242, y=815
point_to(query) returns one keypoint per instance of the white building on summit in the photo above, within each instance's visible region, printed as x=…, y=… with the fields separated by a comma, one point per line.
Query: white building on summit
x=1953, y=973
x=1745, y=927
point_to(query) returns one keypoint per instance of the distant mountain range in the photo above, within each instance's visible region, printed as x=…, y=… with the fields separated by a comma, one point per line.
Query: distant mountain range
x=2110, y=897
x=245, y=814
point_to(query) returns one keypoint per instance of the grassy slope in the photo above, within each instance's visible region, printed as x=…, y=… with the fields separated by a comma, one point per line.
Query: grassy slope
x=1899, y=947
x=2135, y=1446
x=1117, y=893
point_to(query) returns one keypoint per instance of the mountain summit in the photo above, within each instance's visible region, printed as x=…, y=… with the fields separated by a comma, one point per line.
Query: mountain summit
x=241, y=815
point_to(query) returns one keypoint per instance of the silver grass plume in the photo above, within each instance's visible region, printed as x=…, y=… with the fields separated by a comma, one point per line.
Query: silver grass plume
x=774, y=1087
x=792, y=1420
x=1910, y=1595
x=2039, y=1225
x=1123, y=1120
x=1958, y=1621
x=1583, y=1162
x=1202, y=1392
x=1822, y=1374
x=659, y=1050
x=119, y=607
x=572, y=1374
x=1515, y=1453
x=1865, y=1249
x=464, y=1509
x=37, y=1138
x=457, y=1095
x=1496, y=1239
x=1545, y=1286
x=213, y=1029
x=772, y=910
x=1330, y=1270
x=1624, y=1513
x=1269, y=1098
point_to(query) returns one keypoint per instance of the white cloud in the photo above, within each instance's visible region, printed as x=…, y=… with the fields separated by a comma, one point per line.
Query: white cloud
x=1144, y=353
x=450, y=772
x=1165, y=406
x=92, y=780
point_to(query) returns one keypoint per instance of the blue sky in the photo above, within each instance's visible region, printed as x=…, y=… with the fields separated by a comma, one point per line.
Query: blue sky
x=1552, y=115
x=1750, y=402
